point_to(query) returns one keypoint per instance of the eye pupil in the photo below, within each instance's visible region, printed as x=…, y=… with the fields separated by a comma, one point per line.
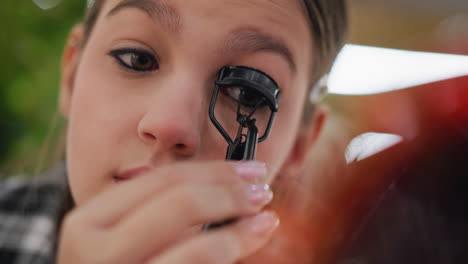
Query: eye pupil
x=250, y=98
x=141, y=61
x=246, y=97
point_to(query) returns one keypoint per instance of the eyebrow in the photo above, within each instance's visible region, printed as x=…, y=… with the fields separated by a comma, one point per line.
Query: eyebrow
x=252, y=41
x=156, y=10
x=240, y=41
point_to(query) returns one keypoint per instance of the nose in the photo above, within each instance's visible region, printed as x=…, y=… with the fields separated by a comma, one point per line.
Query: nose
x=172, y=123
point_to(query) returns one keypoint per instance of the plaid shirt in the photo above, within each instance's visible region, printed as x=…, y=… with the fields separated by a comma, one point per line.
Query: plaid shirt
x=30, y=212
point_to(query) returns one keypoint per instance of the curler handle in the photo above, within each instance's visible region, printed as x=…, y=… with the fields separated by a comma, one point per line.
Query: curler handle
x=251, y=141
x=248, y=149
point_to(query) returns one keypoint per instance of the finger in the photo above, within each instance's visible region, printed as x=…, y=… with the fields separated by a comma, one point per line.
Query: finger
x=115, y=203
x=163, y=220
x=227, y=245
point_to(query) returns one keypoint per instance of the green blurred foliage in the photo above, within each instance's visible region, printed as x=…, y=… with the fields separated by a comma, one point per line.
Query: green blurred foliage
x=31, y=43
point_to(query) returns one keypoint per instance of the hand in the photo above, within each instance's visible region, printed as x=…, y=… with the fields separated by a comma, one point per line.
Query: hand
x=142, y=220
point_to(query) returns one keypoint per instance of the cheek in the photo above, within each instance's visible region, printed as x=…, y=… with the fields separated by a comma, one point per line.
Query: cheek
x=277, y=147
x=100, y=110
x=100, y=123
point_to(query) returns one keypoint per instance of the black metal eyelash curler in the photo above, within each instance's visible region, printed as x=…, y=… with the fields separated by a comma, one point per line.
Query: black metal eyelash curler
x=257, y=90
x=257, y=96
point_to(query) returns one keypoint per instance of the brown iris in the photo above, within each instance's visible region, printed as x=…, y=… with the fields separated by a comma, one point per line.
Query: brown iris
x=142, y=62
x=135, y=59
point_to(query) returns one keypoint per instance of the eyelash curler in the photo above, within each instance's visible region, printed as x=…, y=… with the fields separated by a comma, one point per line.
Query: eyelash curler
x=257, y=96
x=256, y=90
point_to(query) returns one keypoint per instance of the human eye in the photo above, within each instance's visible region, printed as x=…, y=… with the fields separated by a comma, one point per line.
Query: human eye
x=135, y=59
x=247, y=97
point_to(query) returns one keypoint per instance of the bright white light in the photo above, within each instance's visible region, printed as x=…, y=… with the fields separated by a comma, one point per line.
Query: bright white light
x=47, y=4
x=369, y=144
x=370, y=70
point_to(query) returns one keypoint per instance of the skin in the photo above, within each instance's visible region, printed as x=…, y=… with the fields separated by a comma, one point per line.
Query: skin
x=120, y=119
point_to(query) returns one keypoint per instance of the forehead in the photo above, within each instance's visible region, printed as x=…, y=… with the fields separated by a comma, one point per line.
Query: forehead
x=275, y=10
x=284, y=19
x=286, y=8
x=288, y=14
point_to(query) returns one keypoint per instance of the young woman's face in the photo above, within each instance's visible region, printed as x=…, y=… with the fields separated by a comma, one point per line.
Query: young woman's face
x=143, y=83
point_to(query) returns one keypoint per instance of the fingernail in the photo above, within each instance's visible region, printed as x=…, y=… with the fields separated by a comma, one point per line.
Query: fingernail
x=259, y=194
x=251, y=170
x=264, y=222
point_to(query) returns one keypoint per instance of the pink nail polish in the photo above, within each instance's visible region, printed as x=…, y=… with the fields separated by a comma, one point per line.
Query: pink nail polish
x=259, y=194
x=251, y=171
x=264, y=222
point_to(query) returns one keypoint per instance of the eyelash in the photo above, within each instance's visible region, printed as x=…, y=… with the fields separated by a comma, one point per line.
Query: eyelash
x=116, y=54
x=228, y=91
x=135, y=53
